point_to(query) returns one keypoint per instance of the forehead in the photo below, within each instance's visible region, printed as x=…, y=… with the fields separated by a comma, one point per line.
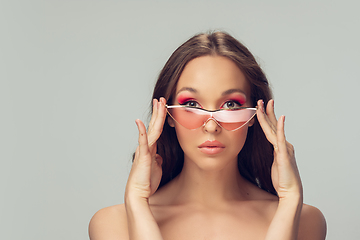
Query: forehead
x=212, y=76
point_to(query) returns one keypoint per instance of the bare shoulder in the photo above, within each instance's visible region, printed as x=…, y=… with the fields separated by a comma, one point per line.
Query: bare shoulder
x=109, y=224
x=312, y=224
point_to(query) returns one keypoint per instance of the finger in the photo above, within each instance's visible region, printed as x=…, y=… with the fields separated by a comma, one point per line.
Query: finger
x=151, y=124
x=163, y=100
x=281, y=139
x=156, y=173
x=143, y=141
x=154, y=112
x=284, y=146
x=286, y=152
x=265, y=123
x=136, y=153
x=271, y=113
x=157, y=127
x=159, y=121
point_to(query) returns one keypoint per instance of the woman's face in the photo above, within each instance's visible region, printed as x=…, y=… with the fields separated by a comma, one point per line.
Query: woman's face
x=211, y=82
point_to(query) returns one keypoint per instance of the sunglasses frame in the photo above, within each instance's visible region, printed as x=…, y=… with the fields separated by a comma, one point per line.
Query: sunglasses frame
x=211, y=117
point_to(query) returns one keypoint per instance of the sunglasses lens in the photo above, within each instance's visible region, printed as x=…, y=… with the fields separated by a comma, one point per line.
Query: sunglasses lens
x=188, y=117
x=234, y=119
x=192, y=118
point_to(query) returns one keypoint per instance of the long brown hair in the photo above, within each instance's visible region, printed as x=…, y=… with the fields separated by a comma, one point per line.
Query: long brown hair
x=256, y=157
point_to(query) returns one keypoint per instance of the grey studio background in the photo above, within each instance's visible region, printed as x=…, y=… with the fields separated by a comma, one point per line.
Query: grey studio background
x=74, y=75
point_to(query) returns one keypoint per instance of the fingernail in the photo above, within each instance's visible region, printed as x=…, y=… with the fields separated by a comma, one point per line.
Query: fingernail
x=262, y=106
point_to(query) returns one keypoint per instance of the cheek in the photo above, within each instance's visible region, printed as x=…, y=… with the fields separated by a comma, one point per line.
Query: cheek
x=185, y=137
x=238, y=139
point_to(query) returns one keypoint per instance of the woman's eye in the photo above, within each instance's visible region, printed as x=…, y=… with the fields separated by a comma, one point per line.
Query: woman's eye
x=191, y=104
x=231, y=105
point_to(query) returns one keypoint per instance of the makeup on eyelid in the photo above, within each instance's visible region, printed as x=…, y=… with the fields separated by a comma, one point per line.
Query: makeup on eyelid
x=183, y=98
x=236, y=97
x=240, y=98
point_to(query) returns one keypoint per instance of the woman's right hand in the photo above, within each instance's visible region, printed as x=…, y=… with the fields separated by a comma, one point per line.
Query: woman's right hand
x=146, y=171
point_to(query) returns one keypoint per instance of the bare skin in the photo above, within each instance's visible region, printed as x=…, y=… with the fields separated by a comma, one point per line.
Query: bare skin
x=209, y=199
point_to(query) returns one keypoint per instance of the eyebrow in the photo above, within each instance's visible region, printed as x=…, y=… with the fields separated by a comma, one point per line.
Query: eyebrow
x=227, y=92
x=187, y=89
x=233, y=90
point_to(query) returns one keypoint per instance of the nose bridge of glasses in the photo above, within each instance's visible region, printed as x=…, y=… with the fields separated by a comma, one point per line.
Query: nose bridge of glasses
x=216, y=116
x=214, y=120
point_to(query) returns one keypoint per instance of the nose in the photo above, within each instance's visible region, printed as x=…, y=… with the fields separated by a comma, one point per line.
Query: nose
x=212, y=126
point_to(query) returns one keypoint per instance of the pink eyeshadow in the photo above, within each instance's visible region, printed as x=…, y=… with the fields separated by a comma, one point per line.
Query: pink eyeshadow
x=182, y=98
x=236, y=97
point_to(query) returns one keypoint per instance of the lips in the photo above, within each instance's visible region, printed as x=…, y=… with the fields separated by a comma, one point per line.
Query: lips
x=211, y=147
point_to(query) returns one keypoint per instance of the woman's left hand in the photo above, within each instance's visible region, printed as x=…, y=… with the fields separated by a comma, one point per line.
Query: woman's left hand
x=284, y=172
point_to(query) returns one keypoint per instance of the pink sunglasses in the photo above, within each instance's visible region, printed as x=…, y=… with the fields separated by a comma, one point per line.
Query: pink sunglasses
x=193, y=118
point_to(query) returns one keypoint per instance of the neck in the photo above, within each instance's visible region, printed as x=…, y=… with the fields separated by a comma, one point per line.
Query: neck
x=210, y=186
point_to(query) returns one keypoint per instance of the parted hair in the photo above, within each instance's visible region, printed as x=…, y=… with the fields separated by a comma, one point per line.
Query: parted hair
x=256, y=157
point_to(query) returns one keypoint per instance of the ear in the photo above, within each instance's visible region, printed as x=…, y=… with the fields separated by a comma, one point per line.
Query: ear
x=170, y=121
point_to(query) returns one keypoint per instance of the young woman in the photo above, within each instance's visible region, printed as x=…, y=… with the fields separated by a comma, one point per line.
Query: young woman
x=214, y=162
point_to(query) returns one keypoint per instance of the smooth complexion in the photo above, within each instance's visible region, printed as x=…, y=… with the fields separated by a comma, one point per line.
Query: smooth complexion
x=213, y=197
x=211, y=83
x=209, y=199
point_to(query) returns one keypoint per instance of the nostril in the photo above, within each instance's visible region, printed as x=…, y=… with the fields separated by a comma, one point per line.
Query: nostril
x=211, y=126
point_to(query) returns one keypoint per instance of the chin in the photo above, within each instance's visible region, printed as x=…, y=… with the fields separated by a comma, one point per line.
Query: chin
x=211, y=162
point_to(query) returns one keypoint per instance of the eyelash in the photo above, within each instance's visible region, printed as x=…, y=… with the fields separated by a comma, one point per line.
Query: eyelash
x=191, y=101
x=198, y=105
x=232, y=101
